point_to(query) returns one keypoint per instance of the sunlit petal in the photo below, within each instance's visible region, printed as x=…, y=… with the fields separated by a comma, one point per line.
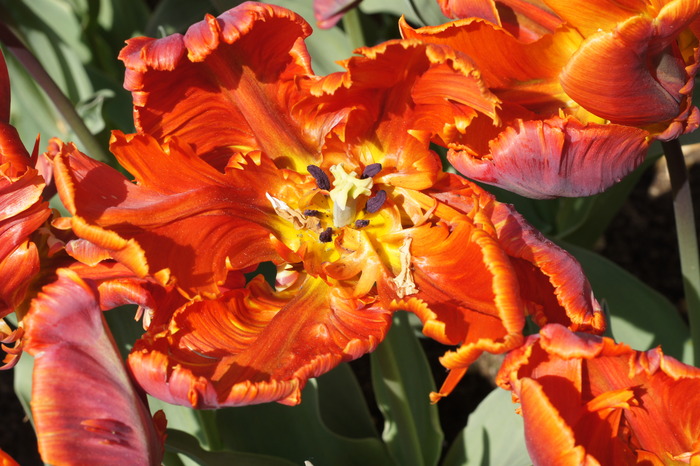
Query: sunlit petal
x=252, y=346
x=566, y=157
x=85, y=408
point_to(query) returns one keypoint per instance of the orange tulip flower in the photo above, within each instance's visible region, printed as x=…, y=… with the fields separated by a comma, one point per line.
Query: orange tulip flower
x=588, y=400
x=243, y=156
x=578, y=105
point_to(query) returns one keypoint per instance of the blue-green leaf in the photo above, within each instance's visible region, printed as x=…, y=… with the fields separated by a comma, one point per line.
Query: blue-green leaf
x=402, y=381
x=494, y=435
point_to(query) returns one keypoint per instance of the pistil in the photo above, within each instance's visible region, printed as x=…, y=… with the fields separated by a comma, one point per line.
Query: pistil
x=347, y=188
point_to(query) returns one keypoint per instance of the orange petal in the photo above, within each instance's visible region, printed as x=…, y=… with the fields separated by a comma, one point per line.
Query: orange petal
x=227, y=85
x=85, y=408
x=254, y=346
x=544, y=159
x=486, y=314
x=553, y=287
x=17, y=269
x=395, y=115
x=633, y=74
x=618, y=402
x=166, y=225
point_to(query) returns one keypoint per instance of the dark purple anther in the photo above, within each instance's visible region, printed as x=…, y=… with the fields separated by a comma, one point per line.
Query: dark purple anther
x=312, y=213
x=361, y=223
x=320, y=176
x=371, y=170
x=376, y=202
x=326, y=235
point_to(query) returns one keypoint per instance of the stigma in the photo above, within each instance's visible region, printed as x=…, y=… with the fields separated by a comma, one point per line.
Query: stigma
x=347, y=188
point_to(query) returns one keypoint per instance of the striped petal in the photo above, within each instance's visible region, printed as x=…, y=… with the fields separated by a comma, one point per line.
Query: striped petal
x=85, y=408
x=253, y=345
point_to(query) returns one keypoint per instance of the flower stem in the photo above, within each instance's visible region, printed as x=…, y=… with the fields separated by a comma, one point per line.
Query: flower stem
x=353, y=28
x=61, y=102
x=687, y=238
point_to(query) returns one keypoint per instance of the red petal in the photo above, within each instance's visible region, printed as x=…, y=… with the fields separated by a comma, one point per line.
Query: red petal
x=168, y=224
x=254, y=346
x=228, y=85
x=17, y=270
x=85, y=408
x=544, y=159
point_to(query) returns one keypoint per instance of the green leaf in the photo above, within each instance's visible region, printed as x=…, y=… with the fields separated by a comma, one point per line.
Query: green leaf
x=494, y=435
x=326, y=46
x=582, y=221
x=342, y=405
x=402, y=381
x=297, y=433
x=183, y=443
x=172, y=16
x=640, y=316
x=417, y=12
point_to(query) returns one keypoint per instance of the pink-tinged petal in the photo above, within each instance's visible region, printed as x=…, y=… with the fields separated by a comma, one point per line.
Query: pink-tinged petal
x=602, y=399
x=329, y=12
x=86, y=410
x=626, y=75
x=166, y=224
x=253, y=345
x=527, y=20
x=228, y=85
x=4, y=91
x=566, y=157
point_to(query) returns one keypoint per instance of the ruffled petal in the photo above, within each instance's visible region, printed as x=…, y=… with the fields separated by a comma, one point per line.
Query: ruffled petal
x=85, y=408
x=228, y=85
x=468, y=294
x=566, y=157
x=395, y=115
x=329, y=12
x=253, y=345
x=183, y=221
x=616, y=405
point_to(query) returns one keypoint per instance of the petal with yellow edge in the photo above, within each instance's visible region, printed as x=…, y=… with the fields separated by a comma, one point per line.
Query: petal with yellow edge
x=85, y=407
x=183, y=220
x=253, y=345
x=228, y=85
x=602, y=403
